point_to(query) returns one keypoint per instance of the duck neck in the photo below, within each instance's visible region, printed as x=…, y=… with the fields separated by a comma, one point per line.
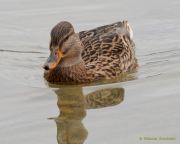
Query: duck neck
x=76, y=73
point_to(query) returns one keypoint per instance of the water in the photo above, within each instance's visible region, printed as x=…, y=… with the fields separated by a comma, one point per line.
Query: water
x=118, y=112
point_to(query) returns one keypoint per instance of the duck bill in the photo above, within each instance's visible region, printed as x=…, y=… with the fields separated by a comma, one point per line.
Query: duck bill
x=53, y=60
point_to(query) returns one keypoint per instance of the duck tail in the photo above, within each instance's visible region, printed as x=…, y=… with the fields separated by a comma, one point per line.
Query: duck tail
x=128, y=28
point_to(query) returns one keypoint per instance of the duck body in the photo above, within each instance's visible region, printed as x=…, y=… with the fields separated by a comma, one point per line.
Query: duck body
x=101, y=53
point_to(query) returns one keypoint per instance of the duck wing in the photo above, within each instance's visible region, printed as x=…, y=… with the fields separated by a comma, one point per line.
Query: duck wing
x=108, y=50
x=100, y=30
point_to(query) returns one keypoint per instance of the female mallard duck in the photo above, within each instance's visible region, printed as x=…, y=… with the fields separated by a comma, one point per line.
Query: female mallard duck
x=101, y=53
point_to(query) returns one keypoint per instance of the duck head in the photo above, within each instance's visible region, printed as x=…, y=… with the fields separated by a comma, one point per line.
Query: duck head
x=65, y=47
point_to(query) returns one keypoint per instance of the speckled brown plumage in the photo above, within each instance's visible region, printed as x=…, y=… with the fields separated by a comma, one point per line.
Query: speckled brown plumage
x=105, y=53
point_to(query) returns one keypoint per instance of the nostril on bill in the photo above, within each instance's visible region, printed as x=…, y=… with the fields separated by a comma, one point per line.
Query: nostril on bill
x=46, y=67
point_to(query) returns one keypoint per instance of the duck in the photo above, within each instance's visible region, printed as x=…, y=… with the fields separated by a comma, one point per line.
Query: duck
x=101, y=53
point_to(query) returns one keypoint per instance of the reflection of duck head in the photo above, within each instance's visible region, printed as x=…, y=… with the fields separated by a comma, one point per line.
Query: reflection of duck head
x=72, y=110
x=73, y=104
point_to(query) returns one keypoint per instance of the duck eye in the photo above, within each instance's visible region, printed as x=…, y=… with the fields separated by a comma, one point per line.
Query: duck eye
x=64, y=51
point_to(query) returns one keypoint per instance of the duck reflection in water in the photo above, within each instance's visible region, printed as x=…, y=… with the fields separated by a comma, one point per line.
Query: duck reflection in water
x=73, y=105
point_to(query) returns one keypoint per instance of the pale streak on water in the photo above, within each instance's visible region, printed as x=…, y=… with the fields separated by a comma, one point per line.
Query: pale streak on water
x=151, y=101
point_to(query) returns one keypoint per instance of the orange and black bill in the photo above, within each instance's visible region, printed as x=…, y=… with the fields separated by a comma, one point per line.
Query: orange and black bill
x=53, y=60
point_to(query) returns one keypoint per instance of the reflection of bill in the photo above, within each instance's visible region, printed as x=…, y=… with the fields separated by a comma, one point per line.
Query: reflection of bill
x=72, y=105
